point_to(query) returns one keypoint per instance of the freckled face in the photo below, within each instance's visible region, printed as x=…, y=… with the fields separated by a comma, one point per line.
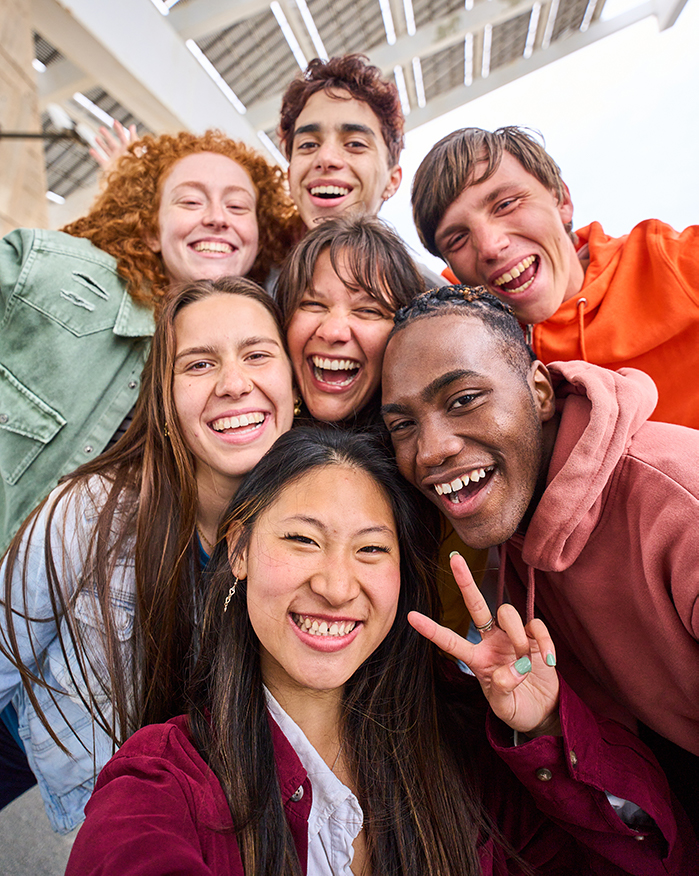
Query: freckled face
x=336, y=339
x=232, y=387
x=339, y=160
x=507, y=233
x=323, y=580
x=207, y=219
x=466, y=426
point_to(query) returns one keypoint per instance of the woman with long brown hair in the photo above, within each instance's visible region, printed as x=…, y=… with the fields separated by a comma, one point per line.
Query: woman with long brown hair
x=102, y=585
x=328, y=737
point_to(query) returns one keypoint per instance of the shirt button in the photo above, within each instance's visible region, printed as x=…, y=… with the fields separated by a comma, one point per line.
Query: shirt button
x=88, y=448
x=297, y=795
x=544, y=775
x=639, y=837
x=132, y=384
x=573, y=758
x=4, y=418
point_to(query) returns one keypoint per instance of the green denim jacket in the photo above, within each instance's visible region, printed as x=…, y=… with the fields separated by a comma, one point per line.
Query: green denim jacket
x=72, y=347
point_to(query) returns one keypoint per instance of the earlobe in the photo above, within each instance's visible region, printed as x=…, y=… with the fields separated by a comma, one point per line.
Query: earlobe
x=542, y=391
x=565, y=206
x=152, y=241
x=394, y=181
x=237, y=559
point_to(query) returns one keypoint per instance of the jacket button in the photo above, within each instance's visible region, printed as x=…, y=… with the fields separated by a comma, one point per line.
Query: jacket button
x=132, y=384
x=4, y=418
x=88, y=448
x=297, y=795
x=544, y=775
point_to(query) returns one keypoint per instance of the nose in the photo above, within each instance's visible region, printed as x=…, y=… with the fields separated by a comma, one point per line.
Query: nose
x=233, y=381
x=336, y=582
x=215, y=215
x=329, y=155
x=489, y=239
x=334, y=328
x=436, y=444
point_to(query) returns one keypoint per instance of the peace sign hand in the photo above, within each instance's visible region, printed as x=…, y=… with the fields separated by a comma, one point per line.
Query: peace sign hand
x=513, y=663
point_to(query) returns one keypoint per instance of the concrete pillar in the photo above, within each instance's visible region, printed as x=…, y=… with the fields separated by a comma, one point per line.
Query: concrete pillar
x=22, y=170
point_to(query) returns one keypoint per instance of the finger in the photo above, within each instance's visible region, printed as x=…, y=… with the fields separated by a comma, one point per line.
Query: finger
x=473, y=598
x=538, y=631
x=445, y=639
x=510, y=621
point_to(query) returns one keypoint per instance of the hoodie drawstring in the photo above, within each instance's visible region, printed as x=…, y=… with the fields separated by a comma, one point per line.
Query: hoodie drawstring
x=531, y=584
x=582, y=303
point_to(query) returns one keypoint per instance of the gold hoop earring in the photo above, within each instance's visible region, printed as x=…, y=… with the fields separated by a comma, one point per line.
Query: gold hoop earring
x=297, y=406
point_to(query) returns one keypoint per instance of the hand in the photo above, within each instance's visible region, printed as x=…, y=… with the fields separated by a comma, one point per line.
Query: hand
x=513, y=663
x=110, y=147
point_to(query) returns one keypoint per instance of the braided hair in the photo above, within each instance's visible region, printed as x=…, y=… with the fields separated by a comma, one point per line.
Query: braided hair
x=476, y=302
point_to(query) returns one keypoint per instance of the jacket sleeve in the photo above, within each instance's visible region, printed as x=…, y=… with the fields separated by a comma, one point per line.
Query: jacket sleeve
x=154, y=812
x=30, y=607
x=11, y=255
x=572, y=820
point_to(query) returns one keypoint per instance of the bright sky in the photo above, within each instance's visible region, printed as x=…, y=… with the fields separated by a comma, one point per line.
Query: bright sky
x=621, y=118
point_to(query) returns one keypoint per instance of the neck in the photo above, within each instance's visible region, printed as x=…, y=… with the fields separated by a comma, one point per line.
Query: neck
x=213, y=501
x=317, y=713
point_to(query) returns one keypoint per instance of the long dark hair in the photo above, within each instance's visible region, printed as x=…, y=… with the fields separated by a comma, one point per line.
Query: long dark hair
x=143, y=495
x=409, y=760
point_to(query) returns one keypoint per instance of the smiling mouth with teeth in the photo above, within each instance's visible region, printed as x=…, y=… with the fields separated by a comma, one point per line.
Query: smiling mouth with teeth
x=519, y=278
x=328, y=192
x=224, y=424
x=315, y=627
x=338, y=372
x=460, y=488
x=212, y=246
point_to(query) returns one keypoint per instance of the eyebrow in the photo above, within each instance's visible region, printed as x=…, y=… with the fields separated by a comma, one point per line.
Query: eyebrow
x=313, y=521
x=430, y=392
x=195, y=184
x=207, y=349
x=344, y=128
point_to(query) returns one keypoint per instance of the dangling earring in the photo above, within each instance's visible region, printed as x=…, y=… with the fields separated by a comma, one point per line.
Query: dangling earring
x=231, y=593
x=297, y=405
x=166, y=431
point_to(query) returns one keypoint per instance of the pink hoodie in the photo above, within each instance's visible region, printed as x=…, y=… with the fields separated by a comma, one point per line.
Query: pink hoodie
x=611, y=555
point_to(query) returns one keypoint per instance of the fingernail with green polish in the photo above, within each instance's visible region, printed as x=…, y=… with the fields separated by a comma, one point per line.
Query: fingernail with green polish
x=523, y=665
x=550, y=659
x=454, y=554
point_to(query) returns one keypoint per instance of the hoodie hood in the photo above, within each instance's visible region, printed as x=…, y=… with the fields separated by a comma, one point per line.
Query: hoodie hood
x=600, y=412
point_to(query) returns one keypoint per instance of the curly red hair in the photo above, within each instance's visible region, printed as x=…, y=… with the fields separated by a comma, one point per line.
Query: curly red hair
x=125, y=214
x=363, y=81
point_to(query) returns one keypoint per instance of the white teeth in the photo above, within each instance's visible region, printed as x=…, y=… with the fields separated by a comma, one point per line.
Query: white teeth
x=251, y=419
x=212, y=246
x=335, y=364
x=513, y=273
x=323, y=628
x=454, y=486
x=330, y=190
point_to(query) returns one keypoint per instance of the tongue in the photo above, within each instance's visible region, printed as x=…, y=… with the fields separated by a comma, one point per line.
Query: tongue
x=523, y=277
x=340, y=376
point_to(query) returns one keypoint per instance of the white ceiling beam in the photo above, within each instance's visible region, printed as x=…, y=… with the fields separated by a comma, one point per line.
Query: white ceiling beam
x=668, y=11
x=141, y=61
x=461, y=95
x=61, y=80
x=199, y=18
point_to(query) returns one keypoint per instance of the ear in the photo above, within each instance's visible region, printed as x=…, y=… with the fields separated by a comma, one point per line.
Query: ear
x=238, y=560
x=565, y=206
x=394, y=180
x=542, y=391
x=152, y=241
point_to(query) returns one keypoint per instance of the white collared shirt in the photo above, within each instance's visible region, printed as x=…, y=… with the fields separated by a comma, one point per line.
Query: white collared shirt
x=336, y=817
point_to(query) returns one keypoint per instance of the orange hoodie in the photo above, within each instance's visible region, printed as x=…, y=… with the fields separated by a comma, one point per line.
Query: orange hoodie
x=638, y=307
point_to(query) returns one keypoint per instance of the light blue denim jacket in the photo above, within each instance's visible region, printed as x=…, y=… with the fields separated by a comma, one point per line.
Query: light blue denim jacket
x=65, y=780
x=72, y=347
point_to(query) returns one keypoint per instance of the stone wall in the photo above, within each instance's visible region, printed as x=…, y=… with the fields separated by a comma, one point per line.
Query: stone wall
x=22, y=172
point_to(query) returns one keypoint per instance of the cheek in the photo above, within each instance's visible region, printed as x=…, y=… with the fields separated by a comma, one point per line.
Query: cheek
x=301, y=329
x=373, y=344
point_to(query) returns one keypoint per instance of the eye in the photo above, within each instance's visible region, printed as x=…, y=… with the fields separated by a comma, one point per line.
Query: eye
x=375, y=549
x=371, y=313
x=507, y=204
x=310, y=305
x=300, y=539
x=305, y=145
x=398, y=426
x=258, y=356
x=456, y=242
x=466, y=398
x=199, y=366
